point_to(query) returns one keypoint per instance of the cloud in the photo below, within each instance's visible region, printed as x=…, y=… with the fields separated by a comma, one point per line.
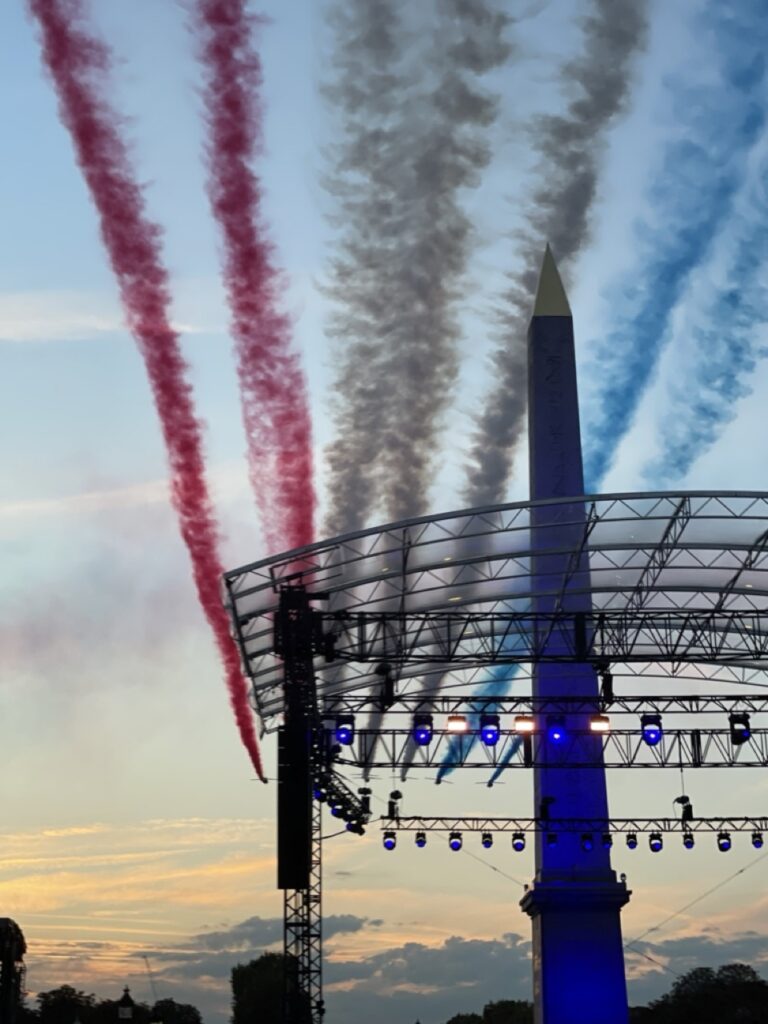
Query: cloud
x=675, y=956
x=256, y=931
x=31, y=316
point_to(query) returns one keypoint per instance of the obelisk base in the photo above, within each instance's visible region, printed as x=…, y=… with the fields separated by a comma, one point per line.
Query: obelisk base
x=578, y=958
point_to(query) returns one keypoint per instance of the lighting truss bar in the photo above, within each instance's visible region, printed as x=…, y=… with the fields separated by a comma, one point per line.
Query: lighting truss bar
x=467, y=704
x=506, y=638
x=625, y=748
x=594, y=825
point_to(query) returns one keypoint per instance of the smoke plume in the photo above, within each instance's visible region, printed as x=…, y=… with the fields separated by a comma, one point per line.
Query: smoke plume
x=79, y=65
x=571, y=147
x=721, y=117
x=272, y=385
x=722, y=344
x=415, y=129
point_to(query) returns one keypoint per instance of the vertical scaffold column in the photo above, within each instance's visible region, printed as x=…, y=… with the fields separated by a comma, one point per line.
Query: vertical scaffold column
x=575, y=899
x=299, y=872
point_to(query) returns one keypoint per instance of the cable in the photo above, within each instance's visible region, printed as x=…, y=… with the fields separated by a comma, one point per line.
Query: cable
x=682, y=910
x=492, y=867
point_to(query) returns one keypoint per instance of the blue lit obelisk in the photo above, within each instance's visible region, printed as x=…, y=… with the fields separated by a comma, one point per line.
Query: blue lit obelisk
x=575, y=899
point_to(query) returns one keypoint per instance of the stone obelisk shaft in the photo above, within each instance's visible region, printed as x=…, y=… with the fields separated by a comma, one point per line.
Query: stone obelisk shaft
x=575, y=900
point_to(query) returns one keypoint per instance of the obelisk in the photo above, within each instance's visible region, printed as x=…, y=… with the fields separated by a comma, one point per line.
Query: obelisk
x=575, y=899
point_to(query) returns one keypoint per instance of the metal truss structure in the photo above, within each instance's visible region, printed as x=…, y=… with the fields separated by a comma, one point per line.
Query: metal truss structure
x=436, y=614
x=451, y=704
x=597, y=826
x=677, y=584
x=621, y=748
x=303, y=938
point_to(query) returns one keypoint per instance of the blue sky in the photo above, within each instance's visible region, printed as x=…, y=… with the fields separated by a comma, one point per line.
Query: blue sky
x=131, y=822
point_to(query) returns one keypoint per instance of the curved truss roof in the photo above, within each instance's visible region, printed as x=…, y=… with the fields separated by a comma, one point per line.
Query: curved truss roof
x=648, y=553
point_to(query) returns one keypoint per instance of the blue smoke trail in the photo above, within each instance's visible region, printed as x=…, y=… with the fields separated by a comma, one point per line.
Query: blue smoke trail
x=699, y=178
x=722, y=343
x=700, y=174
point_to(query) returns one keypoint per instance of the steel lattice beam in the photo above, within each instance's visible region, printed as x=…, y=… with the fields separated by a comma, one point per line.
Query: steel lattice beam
x=507, y=638
x=697, y=748
x=303, y=939
x=456, y=703
x=592, y=825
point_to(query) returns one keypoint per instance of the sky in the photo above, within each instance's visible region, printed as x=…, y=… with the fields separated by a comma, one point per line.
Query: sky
x=132, y=823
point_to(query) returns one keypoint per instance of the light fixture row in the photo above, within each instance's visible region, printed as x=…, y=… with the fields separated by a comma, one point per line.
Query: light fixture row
x=489, y=731
x=588, y=840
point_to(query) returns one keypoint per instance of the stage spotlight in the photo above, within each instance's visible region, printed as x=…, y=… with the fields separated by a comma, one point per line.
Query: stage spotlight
x=454, y=841
x=555, y=729
x=422, y=729
x=724, y=841
x=457, y=724
x=421, y=840
x=319, y=793
x=518, y=842
x=587, y=841
x=655, y=842
x=688, y=840
x=551, y=838
x=651, y=729
x=489, y=730
x=607, y=840
x=390, y=840
x=757, y=840
x=600, y=723
x=524, y=724
x=631, y=840
x=740, y=730
x=487, y=840
x=345, y=730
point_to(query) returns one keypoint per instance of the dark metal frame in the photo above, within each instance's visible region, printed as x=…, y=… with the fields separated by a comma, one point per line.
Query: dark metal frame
x=621, y=748
x=681, y=578
x=598, y=826
x=303, y=937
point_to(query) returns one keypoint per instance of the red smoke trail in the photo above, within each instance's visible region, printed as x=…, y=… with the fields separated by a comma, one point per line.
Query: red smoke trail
x=272, y=384
x=79, y=65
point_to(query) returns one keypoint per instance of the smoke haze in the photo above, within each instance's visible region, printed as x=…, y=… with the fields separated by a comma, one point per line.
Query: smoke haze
x=415, y=127
x=79, y=65
x=273, y=389
x=571, y=147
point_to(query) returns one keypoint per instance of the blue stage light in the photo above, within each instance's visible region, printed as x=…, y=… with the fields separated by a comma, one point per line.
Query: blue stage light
x=421, y=840
x=518, y=842
x=345, y=730
x=607, y=840
x=631, y=840
x=724, y=841
x=390, y=840
x=551, y=838
x=651, y=728
x=688, y=840
x=454, y=841
x=422, y=729
x=337, y=810
x=655, y=842
x=487, y=840
x=319, y=793
x=740, y=729
x=555, y=729
x=757, y=840
x=489, y=730
x=587, y=841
